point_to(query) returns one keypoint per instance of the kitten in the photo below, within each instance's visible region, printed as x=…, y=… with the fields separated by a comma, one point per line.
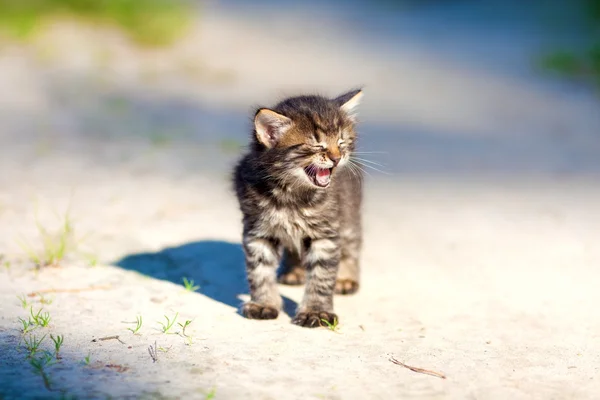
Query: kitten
x=300, y=197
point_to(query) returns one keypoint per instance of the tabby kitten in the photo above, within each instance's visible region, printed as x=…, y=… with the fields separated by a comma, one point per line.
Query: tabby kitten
x=300, y=200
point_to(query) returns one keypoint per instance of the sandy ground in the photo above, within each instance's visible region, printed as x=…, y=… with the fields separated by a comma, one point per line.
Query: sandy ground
x=481, y=238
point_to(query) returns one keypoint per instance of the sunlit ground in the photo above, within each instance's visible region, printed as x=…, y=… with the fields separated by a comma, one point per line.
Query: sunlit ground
x=481, y=214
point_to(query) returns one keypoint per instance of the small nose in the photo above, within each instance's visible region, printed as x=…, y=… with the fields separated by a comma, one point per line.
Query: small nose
x=334, y=157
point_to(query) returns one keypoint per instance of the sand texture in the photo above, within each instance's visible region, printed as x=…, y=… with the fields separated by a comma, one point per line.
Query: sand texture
x=481, y=249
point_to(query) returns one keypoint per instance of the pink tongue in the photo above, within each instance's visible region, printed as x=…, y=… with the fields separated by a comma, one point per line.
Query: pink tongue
x=323, y=176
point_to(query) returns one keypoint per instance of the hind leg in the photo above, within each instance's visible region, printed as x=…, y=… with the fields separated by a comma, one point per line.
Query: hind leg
x=348, y=278
x=292, y=271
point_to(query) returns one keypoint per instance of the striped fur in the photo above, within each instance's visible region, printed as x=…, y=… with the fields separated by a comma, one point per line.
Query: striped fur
x=309, y=219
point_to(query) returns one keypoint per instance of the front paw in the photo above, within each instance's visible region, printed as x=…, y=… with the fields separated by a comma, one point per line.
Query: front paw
x=252, y=310
x=314, y=319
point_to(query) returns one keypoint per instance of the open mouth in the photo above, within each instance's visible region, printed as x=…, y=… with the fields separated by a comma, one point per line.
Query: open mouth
x=319, y=176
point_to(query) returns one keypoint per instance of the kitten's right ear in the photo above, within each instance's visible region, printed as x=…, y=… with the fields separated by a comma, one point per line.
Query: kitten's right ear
x=270, y=126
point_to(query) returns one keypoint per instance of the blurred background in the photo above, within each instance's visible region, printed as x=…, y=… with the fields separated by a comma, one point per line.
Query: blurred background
x=120, y=122
x=99, y=95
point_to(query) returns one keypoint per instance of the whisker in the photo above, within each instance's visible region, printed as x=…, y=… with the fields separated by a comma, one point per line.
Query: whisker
x=374, y=169
x=354, y=173
x=359, y=167
x=370, y=166
x=368, y=161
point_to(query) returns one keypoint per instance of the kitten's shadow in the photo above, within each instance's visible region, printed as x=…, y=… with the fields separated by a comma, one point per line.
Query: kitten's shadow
x=216, y=266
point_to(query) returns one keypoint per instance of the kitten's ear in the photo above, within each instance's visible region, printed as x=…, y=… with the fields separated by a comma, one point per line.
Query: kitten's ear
x=349, y=101
x=270, y=126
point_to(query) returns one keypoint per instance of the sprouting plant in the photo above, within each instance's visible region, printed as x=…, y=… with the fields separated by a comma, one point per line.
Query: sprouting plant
x=169, y=324
x=211, y=395
x=35, y=317
x=183, y=326
x=44, y=319
x=189, y=340
x=45, y=300
x=40, y=319
x=39, y=365
x=54, y=245
x=138, y=320
x=332, y=327
x=189, y=285
x=58, y=341
x=87, y=359
x=23, y=299
x=93, y=260
x=164, y=350
x=28, y=325
x=32, y=344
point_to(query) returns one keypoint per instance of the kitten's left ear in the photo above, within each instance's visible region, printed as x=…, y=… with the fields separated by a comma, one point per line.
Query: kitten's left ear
x=349, y=101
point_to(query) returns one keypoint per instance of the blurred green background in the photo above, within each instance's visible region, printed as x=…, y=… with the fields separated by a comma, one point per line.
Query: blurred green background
x=148, y=22
x=161, y=22
x=584, y=62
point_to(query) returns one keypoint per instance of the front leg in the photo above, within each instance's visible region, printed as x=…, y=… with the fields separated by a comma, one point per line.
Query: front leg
x=262, y=259
x=322, y=259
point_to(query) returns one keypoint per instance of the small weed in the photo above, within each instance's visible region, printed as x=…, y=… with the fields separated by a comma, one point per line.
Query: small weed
x=164, y=350
x=169, y=324
x=211, y=395
x=138, y=320
x=23, y=299
x=332, y=327
x=189, y=285
x=28, y=325
x=87, y=359
x=39, y=365
x=183, y=326
x=54, y=245
x=93, y=260
x=58, y=341
x=44, y=320
x=36, y=316
x=4, y=261
x=40, y=319
x=45, y=300
x=32, y=344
